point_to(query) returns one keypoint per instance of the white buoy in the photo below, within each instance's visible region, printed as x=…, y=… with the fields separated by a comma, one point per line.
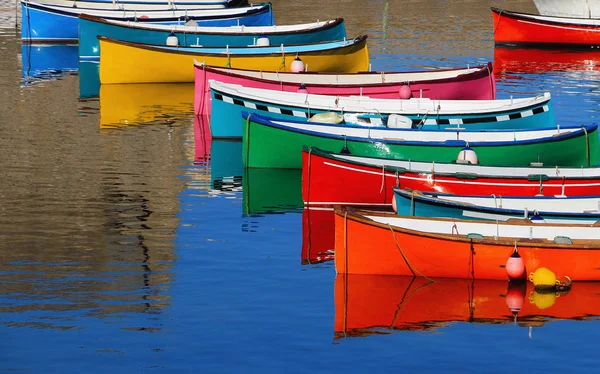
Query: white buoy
x=263, y=41
x=172, y=40
x=467, y=156
x=297, y=65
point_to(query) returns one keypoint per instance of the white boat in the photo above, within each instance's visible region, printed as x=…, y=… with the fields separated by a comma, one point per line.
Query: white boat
x=569, y=8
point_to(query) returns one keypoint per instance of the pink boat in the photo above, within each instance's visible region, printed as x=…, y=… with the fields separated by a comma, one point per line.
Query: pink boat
x=474, y=83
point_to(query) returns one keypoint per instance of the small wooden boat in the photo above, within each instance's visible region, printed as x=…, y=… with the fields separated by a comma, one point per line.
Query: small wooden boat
x=568, y=8
x=141, y=4
x=387, y=244
x=278, y=144
x=541, y=209
x=91, y=27
x=229, y=100
x=335, y=179
x=376, y=304
x=125, y=62
x=525, y=29
x=38, y=23
x=471, y=83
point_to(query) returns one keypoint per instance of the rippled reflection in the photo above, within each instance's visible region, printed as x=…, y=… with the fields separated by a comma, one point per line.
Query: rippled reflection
x=371, y=304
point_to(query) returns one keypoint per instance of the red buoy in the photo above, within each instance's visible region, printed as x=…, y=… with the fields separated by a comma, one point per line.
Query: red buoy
x=515, y=267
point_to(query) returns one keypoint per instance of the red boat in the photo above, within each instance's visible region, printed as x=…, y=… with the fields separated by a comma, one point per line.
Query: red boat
x=330, y=179
x=513, y=28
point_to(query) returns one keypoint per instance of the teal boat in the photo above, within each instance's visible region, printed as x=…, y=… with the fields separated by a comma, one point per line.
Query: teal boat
x=190, y=34
x=551, y=209
x=269, y=143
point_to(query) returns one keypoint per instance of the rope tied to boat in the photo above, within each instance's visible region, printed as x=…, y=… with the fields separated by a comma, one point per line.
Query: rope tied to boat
x=498, y=23
x=382, y=178
x=282, y=66
x=587, y=145
x=408, y=263
x=307, y=202
x=412, y=204
x=247, y=152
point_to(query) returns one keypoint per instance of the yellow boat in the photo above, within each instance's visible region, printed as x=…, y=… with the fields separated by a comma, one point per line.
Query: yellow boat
x=136, y=104
x=127, y=62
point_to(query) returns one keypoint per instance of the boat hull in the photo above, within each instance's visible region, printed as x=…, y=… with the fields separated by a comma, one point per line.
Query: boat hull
x=511, y=28
x=365, y=248
x=228, y=106
x=269, y=145
x=477, y=85
x=39, y=23
x=91, y=27
x=411, y=203
x=124, y=62
x=328, y=181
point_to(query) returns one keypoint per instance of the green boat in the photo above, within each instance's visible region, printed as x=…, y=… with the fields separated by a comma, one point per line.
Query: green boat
x=270, y=143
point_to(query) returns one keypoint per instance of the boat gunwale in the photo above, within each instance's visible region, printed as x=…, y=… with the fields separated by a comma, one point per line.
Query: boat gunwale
x=352, y=44
x=479, y=71
x=147, y=27
x=395, y=169
x=359, y=215
x=266, y=121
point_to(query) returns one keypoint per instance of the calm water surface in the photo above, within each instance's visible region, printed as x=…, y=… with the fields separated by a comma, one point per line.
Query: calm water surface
x=130, y=242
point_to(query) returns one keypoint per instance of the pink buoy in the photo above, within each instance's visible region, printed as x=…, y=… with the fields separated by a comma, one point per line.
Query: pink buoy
x=297, y=65
x=515, y=296
x=394, y=206
x=405, y=92
x=515, y=267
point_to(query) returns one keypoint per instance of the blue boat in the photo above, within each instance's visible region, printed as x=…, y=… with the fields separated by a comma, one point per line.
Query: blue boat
x=39, y=22
x=540, y=209
x=230, y=100
x=47, y=60
x=91, y=27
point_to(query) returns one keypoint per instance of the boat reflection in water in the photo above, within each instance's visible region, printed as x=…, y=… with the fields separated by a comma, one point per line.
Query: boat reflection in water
x=375, y=304
x=47, y=61
x=317, y=235
x=226, y=167
x=271, y=190
x=127, y=104
x=202, y=140
x=525, y=60
x=89, y=80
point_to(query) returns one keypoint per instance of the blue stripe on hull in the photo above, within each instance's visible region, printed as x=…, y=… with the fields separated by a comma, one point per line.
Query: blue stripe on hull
x=89, y=30
x=38, y=25
x=226, y=111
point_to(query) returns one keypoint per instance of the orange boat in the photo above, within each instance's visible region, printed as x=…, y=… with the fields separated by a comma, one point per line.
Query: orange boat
x=375, y=304
x=368, y=242
x=525, y=29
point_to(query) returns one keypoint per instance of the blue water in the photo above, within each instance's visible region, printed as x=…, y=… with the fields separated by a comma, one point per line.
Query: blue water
x=126, y=247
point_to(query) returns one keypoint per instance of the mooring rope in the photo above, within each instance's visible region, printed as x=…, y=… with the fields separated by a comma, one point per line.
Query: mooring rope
x=410, y=265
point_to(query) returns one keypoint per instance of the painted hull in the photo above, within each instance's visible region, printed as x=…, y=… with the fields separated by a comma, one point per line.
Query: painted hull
x=124, y=62
x=92, y=27
x=39, y=22
x=328, y=180
x=511, y=28
x=411, y=203
x=268, y=144
x=229, y=101
x=478, y=84
x=363, y=246
x=372, y=304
